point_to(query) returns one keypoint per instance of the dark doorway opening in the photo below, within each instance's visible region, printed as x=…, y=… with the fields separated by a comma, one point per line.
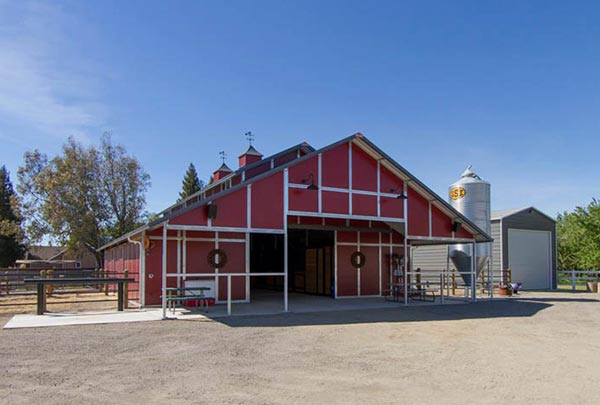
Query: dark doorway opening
x=266, y=256
x=310, y=263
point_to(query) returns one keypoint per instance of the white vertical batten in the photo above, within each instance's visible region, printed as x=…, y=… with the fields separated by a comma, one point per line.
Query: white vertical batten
x=378, y=187
x=285, y=238
x=350, y=177
x=164, y=271
x=380, y=264
x=247, y=247
x=319, y=181
x=358, y=269
x=184, y=258
x=178, y=258
x=430, y=216
x=405, y=269
x=335, y=264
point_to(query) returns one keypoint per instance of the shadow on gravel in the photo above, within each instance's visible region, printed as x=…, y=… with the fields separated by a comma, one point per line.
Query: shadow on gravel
x=532, y=299
x=510, y=308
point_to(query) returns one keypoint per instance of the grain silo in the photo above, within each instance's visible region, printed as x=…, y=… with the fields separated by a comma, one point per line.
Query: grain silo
x=470, y=195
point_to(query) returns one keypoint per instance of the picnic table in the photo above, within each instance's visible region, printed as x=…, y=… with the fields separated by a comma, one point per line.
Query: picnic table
x=43, y=282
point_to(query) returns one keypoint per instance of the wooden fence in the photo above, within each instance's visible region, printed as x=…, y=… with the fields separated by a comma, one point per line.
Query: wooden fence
x=576, y=278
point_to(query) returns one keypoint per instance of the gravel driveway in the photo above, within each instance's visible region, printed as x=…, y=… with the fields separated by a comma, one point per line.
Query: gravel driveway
x=540, y=348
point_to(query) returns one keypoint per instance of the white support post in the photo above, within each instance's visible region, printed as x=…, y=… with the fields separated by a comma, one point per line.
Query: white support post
x=358, y=269
x=164, y=271
x=179, y=258
x=473, y=273
x=285, y=238
x=228, y=295
x=143, y=270
x=184, y=259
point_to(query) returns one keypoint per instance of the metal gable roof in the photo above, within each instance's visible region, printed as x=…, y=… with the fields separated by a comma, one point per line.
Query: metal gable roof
x=501, y=214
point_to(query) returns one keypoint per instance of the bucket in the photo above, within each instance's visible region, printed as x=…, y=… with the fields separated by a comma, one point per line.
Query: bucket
x=592, y=286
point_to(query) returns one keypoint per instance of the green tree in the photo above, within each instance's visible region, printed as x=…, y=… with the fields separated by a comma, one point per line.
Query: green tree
x=11, y=233
x=83, y=197
x=578, y=238
x=191, y=183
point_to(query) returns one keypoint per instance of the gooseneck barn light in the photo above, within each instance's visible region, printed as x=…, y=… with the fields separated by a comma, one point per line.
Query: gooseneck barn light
x=312, y=185
x=400, y=196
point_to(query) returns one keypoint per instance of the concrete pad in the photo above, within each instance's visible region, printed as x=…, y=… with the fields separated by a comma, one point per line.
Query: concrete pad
x=262, y=304
x=83, y=318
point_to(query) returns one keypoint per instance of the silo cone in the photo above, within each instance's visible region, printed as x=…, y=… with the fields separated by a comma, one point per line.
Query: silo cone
x=470, y=196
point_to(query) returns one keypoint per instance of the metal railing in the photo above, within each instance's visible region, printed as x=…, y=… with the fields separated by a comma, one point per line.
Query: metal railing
x=228, y=276
x=576, y=278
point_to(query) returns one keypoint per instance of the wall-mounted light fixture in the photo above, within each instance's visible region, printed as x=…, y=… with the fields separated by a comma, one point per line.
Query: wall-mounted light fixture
x=400, y=196
x=456, y=226
x=312, y=185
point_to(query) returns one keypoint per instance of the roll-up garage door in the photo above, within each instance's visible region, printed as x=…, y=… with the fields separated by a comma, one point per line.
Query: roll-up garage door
x=529, y=258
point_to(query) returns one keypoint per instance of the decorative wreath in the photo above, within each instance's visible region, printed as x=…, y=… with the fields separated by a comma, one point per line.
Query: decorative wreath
x=212, y=256
x=358, y=259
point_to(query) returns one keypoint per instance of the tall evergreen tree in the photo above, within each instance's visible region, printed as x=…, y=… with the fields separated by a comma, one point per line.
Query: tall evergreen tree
x=11, y=233
x=191, y=183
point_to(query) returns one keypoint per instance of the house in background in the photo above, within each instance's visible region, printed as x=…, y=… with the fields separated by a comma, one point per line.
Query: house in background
x=55, y=257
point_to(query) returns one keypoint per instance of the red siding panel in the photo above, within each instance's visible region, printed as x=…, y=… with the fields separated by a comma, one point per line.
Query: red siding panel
x=364, y=205
x=347, y=277
x=364, y=171
x=390, y=183
x=441, y=225
x=231, y=209
x=369, y=273
x=418, y=214
x=236, y=259
x=302, y=170
x=335, y=203
x=267, y=202
x=334, y=164
x=391, y=207
x=301, y=199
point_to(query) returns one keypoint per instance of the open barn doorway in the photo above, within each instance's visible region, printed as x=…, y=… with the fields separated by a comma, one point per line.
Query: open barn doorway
x=266, y=256
x=311, y=260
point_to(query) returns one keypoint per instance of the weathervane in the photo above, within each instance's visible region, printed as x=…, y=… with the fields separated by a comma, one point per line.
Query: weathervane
x=249, y=137
x=223, y=156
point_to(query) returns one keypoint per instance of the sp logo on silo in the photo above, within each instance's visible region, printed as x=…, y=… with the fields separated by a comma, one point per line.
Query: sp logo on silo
x=456, y=193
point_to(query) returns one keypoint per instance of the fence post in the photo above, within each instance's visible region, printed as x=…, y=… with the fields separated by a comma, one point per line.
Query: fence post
x=442, y=278
x=42, y=296
x=106, y=284
x=7, y=282
x=50, y=288
x=453, y=282
x=125, y=289
x=573, y=280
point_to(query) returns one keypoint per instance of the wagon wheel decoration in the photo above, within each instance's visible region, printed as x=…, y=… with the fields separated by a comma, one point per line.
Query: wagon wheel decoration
x=358, y=259
x=217, y=258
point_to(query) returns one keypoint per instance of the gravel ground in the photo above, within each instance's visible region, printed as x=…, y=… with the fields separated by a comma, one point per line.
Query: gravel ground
x=540, y=348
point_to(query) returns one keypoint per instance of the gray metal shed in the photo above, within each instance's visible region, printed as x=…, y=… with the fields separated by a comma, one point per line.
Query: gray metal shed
x=527, y=245
x=524, y=241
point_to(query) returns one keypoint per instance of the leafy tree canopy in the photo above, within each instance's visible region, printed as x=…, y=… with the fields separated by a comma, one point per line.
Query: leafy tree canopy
x=83, y=197
x=11, y=233
x=578, y=235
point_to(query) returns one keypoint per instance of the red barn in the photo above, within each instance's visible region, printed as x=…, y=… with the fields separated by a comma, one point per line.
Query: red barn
x=334, y=222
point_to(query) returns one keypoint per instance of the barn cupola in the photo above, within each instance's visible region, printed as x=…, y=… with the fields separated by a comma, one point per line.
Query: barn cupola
x=224, y=170
x=251, y=155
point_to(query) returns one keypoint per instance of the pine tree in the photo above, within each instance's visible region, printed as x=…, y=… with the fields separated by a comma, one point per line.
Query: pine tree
x=11, y=233
x=191, y=183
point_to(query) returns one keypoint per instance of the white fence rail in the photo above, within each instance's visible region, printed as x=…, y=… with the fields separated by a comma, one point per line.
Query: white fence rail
x=576, y=278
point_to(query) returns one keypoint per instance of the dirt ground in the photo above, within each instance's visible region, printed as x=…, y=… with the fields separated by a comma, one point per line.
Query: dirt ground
x=539, y=348
x=72, y=302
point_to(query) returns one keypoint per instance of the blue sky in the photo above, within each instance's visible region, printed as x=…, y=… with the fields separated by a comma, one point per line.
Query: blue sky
x=511, y=87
